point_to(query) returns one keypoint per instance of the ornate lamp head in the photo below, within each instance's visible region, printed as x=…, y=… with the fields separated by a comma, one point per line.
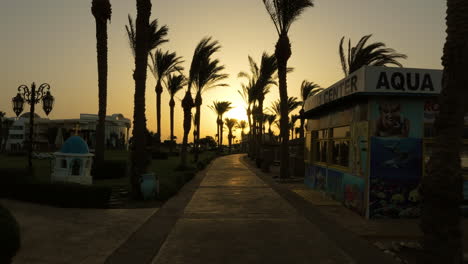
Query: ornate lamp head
x=18, y=103
x=47, y=103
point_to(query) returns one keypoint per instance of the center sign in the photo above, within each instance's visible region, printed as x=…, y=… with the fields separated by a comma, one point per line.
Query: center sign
x=378, y=80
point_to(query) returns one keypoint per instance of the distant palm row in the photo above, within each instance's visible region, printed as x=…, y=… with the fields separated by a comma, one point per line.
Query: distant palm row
x=206, y=73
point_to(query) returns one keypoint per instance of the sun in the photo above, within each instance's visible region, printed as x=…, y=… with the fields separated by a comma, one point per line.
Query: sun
x=237, y=113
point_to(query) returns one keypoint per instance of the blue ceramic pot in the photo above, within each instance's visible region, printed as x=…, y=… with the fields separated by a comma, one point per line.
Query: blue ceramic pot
x=148, y=185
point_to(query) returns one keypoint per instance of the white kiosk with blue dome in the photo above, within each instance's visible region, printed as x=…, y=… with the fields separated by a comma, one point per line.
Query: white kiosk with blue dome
x=73, y=162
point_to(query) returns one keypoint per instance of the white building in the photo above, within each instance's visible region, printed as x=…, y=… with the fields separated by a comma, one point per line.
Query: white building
x=49, y=134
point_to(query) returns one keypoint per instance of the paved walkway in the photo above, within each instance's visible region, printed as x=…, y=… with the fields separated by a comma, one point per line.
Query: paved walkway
x=236, y=217
x=71, y=235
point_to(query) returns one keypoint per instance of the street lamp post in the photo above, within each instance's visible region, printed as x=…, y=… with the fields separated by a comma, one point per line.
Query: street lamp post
x=32, y=97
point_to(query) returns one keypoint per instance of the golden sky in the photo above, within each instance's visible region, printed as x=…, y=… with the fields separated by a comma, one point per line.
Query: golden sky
x=54, y=41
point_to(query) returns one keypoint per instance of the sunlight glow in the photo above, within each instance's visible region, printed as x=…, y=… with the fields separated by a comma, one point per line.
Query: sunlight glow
x=238, y=113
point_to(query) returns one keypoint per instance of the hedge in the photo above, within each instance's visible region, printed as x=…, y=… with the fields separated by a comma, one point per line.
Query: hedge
x=15, y=175
x=59, y=194
x=10, y=239
x=111, y=169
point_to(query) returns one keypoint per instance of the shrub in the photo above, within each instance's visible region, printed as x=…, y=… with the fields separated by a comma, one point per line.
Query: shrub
x=59, y=194
x=159, y=155
x=10, y=240
x=111, y=169
x=15, y=175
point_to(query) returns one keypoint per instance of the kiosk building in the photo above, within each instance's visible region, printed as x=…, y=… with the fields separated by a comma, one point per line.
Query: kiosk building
x=368, y=137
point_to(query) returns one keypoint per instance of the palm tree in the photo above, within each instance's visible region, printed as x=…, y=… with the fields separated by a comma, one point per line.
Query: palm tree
x=187, y=105
x=174, y=83
x=230, y=124
x=275, y=108
x=242, y=125
x=270, y=119
x=283, y=13
x=156, y=35
x=293, y=104
x=202, y=71
x=139, y=158
x=292, y=124
x=261, y=79
x=102, y=11
x=442, y=186
x=162, y=64
x=374, y=54
x=206, y=77
x=2, y=115
x=249, y=99
x=220, y=108
x=307, y=89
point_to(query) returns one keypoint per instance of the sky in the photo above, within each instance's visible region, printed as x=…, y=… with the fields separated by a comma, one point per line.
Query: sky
x=54, y=41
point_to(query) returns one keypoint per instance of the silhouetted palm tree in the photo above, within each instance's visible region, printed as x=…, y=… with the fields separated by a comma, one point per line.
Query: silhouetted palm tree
x=292, y=124
x=293, y=104
x=139, y=157
x=270, y=119
x=206, y=77
x=187, y=105
x=242, y=125
x=174, y=83
x=247, y=94
x=156, y=35
x=230, y=124
x=261, y=78
x=275, y=108
x=2, y=116
x=442, y=186
x=307, y=89
x=283, y=13
x=220, y=108
x=162, y=64
x=202, y=71
x=102, y=11
x=373, y=54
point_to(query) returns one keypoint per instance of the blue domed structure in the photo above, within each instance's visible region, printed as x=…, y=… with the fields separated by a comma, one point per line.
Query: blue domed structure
x=73, y=162
x=75, y=145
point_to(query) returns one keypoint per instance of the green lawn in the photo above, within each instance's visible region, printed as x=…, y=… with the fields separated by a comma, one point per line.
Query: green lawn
x=165, y=170
x=42, y=168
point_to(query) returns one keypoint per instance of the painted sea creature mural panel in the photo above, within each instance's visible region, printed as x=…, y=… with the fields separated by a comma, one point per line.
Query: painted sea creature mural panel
x=395, y=174
x=353, y=193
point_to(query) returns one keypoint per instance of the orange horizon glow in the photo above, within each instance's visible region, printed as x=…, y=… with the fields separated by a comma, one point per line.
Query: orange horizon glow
x=54, y=41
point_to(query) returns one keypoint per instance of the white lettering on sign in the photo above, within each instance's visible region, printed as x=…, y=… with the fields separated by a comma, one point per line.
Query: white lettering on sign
x=402, y=82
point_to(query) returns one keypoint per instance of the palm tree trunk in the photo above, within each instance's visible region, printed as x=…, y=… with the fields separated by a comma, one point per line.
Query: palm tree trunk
x=187, y=104
x=198, y=103
x=101, y=37
x=230, y=140
x=171, y=115
x=442, y=186
x=218, y=127
x=249, y=140
x=221, y=134
x=301, y=130
x=138, y=154
x=260, y=132
x=159, y=90
x=282, y=53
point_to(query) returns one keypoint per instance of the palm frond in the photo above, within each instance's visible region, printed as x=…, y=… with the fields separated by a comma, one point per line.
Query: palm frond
x=175, y=83
x=131, y=34
x=284, y=12
x=373, y=54
x=156, y=35
x=306, y=88
x=164, y=63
